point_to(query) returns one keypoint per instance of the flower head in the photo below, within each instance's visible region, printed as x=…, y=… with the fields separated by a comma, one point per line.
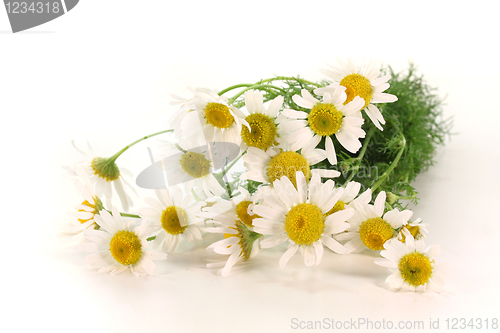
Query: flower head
x=175, y=216
x=120, y=246
x=332, y=116
x=233, y=218
x=412, y=266
x=364, y=82
x=297, y=215
x=105, y=175
x=263, y=131
x=88, y=209
x=369, y=227
x=211, y=120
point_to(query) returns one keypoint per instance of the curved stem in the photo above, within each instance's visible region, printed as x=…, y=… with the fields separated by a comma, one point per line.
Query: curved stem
x=393, y=164
x=115, y=156
x=222, y=92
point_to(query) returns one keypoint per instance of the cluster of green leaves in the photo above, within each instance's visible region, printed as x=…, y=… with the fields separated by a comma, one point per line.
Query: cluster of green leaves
x=390, y=159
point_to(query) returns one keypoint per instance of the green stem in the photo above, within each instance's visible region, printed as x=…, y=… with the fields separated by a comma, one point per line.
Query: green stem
x=361, y=154
x=125, y=214
x=225, y=170
x=255, y=86
x=393, y=165
x=262, y=84
x=222, y=92
x=115, y=156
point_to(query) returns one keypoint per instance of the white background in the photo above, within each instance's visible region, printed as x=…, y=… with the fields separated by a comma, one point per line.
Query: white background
x=104, y=73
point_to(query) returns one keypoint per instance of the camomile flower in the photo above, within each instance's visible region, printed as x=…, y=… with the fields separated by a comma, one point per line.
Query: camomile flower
x=412, y=266
x=88, y=209
x=262, y=132
x=105, y=176
x=417, y=229
x=120, y=246
x=212, y=120
x=239, y=207
x=330, y=116
x=297, y=215
x=270, y=165
x=194, y=169
x=187, y=105
x=231, y=218
x=370, y=227
x=363, y=81
x=349, y=194
x=175, y=216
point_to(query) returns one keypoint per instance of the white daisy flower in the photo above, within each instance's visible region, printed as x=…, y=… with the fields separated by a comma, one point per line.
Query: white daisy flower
x=270, y=165
x=370, y=227
x=105, y=176
x=297, y=214
x=213, y=120
x=417, y=229
x=412, y=266
x=121, y=246
x=194, y=169
x=175, y=216
x=88, y=209
x=349, y=194
x=263, y=131
x=187, y=105
x=232, y=219
x=363, y=81
x=331, y=116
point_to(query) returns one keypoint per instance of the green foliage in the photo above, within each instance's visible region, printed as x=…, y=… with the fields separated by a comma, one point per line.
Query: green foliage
x=390, y=159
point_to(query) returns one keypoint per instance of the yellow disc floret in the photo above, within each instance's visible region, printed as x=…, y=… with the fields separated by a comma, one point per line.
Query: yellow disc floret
x=304, y=223
x=194, y=164
x=338, y=207
x=242, y=213
x=263, y=131
x=375, y=232
x=415, y=268
x=125, y=247
x=105, y=168
x=218, y=115
x=414, y=231
x=174, y=220
x=325, y=119
x=357, y=85
x=287, y=163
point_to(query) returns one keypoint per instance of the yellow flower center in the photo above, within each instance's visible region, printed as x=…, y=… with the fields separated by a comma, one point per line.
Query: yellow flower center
x=375, y=232
x=287, y=163
x=304, y=223
x=415, y=269
x=338, y=207
x=97, y=206
x=218, y=115
x=325, y=119
x=414, y=231
x=105, y=168
x=174, y=220
x=263, y=131
x=126, y=247
x=242, y=213
x=194, y=164
x=357, y=85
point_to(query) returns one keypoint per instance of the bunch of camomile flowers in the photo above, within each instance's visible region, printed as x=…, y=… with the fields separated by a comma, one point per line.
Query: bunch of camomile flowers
x=283, y=163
